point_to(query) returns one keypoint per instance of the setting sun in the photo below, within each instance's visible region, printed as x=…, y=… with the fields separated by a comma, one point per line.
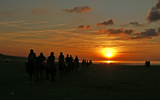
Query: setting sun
x=108, y=55
x=108, y=52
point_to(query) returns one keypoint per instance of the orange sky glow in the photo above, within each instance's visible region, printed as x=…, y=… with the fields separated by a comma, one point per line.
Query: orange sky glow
x=99, y=30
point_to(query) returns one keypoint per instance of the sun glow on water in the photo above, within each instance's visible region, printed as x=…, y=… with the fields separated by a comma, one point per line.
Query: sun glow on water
x=126, y=62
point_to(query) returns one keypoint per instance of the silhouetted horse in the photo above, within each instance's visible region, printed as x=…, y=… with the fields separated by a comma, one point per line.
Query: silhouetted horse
x=40, y=67
x=90, y=63
x=76, y=65
x=67, y=68
x=72, y=67
x=51, y=68
x=61, y=67
x=30, y=68
x=83, y=63
x=147, y=63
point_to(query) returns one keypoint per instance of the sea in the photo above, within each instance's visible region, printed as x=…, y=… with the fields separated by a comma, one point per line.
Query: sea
x=112, y=62
x=126, y=62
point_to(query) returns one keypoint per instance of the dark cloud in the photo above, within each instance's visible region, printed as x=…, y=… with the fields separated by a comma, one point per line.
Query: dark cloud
x=115, y=32
x=88, y=27
x=136, y=23
x=84, y=27
x=148, y=34
x=129, y=31
x=153, y=16
x=82, y=9
x=106, y=22
x=157, y=6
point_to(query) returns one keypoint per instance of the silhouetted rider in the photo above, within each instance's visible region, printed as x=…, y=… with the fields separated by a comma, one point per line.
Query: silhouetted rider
x=31, y=57
x=90, y=62
x=41, y=57
x=61, y=61
x=77, y=60
x=67, y=59
x=51, y=58
x=70, y=59
x=61, y=58
x=50, y=66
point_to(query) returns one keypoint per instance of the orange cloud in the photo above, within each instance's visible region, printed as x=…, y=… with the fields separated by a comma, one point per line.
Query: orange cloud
x=84, y=27
x=106, y=22
x=82, y=9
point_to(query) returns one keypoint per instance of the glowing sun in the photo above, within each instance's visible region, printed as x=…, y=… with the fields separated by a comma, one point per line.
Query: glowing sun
x=108, y=52
x=108, y=55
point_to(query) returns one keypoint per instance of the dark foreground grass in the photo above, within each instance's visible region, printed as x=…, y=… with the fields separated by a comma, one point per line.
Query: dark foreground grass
x=99, y=82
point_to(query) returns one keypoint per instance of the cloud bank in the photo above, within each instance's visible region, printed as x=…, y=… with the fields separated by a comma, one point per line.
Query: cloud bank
x=82, y=9
x=106, y=22
x=147, y=34
x=84, y=27
x=136, y=23
x=157, y=6
x=116, y=32
x=154, y=14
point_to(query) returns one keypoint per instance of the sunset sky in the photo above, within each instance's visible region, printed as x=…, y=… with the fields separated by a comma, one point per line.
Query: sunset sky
x=90, y=29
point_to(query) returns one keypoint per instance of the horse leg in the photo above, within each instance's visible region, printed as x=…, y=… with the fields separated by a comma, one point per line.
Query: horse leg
x=61, y=73
x=77, y=68
x=37, y=72
x=41, y=71
x=67, y=71
x=41, y=74
x=47, y=75
x=72, y=69
x=30, y=76
x=34, y=75
x=52, y=77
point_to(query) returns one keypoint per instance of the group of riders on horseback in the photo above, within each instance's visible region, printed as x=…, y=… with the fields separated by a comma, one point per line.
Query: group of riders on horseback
x=38, y=64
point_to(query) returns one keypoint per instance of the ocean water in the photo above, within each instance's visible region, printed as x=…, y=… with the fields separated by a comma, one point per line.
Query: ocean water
x=127, y=62
x=112, y=62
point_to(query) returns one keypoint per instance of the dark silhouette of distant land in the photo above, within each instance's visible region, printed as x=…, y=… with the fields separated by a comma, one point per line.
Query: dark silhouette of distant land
x=8, y=57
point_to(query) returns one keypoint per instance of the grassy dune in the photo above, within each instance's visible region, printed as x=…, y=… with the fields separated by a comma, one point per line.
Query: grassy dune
x=99, y=82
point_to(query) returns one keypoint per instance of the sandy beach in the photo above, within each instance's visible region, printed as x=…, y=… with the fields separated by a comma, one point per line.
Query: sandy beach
x=97, y=82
